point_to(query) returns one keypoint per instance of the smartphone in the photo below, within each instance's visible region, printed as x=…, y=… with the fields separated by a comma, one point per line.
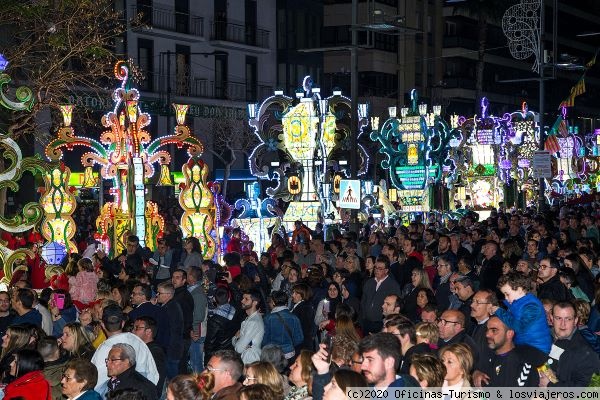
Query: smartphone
x=59, y=300
x=328, y=342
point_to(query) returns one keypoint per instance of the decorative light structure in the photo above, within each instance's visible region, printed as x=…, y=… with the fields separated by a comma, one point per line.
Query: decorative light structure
x=126, y=154
x=54, y=253
x=484, y=134
x=307, y=136
x=415, y=147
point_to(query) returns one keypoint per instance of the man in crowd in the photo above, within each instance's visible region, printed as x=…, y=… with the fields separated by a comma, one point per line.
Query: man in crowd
x=185, y=300
x=227, y=368
x=143, y=307
x=120, y=364
x=221, y=325
x=375, y=291
x=198, y=332
x=112, y=323
x=248, y=340
x=145, y=328
x=172, y=310
x=504, y=366
x=281, y=326
x=550, y=286
x=22, y=302
x=381, y=356
x=572, y=360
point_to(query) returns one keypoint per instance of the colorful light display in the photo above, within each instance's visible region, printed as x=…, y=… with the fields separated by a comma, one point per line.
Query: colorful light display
x=126, y=154
x=483, y=135
x=415, y=146
x=303, y=147
x=58, y=203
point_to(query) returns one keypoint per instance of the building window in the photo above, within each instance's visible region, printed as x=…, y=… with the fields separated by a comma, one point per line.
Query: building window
x=221, y=76
x=145, y=58
x=251, y=78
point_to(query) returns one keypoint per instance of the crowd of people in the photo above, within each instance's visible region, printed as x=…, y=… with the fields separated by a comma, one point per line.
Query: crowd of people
x=512, y=300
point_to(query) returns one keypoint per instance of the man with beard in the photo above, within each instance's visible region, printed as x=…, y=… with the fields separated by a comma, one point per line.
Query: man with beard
x=248, y=340
x=5, y=315
x=505, y=367
x=381, y=355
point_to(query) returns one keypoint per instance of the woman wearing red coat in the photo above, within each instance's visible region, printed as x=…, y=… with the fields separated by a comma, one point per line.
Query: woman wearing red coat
x=30, y=383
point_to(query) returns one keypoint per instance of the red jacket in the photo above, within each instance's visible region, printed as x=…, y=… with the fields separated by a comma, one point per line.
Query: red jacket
x=31, y=386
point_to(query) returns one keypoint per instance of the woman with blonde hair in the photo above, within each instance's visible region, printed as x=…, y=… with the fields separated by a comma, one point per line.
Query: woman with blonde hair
x=418, y=281
x=191, y=387
x=258, y=392
x=301, y=376
x=458, y=360
x=77, y=341
x=262, y=372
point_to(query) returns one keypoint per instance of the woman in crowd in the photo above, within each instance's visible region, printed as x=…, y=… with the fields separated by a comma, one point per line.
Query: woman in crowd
x=458, y=360
x=429, y=265
x=77, y=341
x=583, y=276
x=428, y=370
x=27, y=368
x=369, y=266
x=424, y=297
x=122, y=295
x=301, y=377
x=327, y=306
x=79, y=379
x=350, y=300
x=258, y=392
x=191, y=387
x=264, y=373
x=342, y=380
x=418, y=280
x=17, y=337
x=192, y=254
x=354, y=279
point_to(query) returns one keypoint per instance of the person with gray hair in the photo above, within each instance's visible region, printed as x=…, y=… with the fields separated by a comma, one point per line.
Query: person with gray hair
x=120, y=365
x=174, y=313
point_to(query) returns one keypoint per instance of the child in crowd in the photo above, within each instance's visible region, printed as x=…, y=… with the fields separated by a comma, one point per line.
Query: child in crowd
x=525, y=314
x=83, y=286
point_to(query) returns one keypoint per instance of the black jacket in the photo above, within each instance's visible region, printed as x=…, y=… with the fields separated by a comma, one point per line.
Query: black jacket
x=186, y=302
x=491, y=270
x=554, y=289
x=160, y=359
x=131, y=379
x=509, y=370
x=442, y=295
x=461, y=337
x=306, y=314
x=174, y=314
x=219, y=331
x=157, y=313
x=576, y=364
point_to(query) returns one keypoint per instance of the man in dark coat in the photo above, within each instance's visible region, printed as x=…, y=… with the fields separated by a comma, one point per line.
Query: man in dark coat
x=551, y=287
x=122, y=374
x=185, y=300
x=172, y=309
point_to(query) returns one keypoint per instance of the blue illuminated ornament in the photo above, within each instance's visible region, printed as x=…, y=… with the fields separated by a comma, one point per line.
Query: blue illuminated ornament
x=3, y=63
x=53, y=253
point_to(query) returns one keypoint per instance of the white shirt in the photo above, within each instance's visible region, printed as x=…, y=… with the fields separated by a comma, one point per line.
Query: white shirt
x=251, y=336
x=144, y=362
x=46, y=319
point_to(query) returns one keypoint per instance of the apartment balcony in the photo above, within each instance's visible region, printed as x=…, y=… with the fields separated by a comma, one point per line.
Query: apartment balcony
x=162, y=21
x=196, y=86
x=460, y=42
x=237, y=36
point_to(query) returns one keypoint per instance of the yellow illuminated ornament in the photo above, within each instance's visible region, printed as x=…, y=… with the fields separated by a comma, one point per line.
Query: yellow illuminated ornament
x=294, y=184
x=67, y=112
x=89, y=180
x=336, y=183
x=58, y=204
x=165, y=176
x=132, y=110
x=180, y=111
x=413, y=155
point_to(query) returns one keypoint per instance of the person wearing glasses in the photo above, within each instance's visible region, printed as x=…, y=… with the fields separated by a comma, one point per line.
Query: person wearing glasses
x=452, y=330
x=120, y=365
x=226, y=367
x=145, y=328
x=549, y=284
x=112, y=323
x=481, y=309
x=79, y=379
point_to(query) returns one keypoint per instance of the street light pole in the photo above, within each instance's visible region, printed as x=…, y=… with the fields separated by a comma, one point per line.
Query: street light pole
x=354, y=109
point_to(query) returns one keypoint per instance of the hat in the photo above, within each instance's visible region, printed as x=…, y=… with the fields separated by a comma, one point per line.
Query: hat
x=112, y=314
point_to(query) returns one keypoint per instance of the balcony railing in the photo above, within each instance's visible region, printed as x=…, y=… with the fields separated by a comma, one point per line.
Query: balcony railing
x=164, y=18
x=239, y=33
x=193, y=86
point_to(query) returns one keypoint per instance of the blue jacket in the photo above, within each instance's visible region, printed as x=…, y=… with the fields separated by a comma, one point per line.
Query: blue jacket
x=526, y=316
x=90, y=395
x=276, y=333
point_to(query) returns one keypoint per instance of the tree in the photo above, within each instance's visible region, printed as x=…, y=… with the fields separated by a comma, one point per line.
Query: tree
x=58, y=48
x=485, y=11
x=230, y=138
